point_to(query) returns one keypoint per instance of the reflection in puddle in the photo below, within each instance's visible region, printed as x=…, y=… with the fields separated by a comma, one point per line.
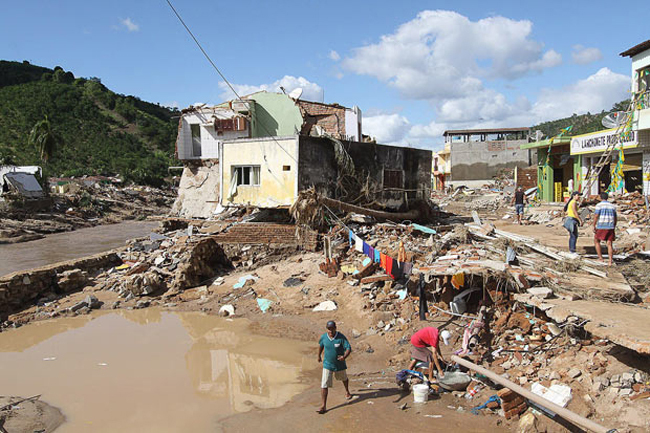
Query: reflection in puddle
x=148, y=370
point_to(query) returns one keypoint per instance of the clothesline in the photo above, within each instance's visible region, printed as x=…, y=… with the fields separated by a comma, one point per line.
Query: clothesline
x=393, y=268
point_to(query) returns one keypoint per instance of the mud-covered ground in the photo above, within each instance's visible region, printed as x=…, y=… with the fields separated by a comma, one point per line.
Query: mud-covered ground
x=86, y=207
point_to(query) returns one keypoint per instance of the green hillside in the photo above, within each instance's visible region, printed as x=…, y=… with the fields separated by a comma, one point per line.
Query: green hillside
x=582, y=123
x=99, y=131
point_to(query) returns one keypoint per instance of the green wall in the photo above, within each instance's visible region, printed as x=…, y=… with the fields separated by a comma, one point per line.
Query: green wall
x=275, y=115
x=547, y=183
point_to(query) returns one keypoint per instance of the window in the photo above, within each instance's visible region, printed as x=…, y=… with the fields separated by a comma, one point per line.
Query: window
x=286, y=168
x=246, y=175
x=196, y=139
x=393, y=178
x=643, y=80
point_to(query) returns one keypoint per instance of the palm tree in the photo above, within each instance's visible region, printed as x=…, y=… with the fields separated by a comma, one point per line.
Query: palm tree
x=44, y=138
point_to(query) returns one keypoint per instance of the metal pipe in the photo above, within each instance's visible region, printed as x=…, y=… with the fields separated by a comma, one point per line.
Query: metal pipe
x=564, y=413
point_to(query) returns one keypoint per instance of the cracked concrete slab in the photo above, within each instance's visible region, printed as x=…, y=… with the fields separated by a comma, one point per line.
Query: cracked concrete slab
x=623, y=324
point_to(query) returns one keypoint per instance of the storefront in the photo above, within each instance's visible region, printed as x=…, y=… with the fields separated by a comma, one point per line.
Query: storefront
x=590, y=148
x=558, y=172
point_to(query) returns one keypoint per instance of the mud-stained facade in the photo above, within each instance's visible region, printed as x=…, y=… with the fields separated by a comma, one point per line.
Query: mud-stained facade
x=402, y=173
x=478, y=155
x=260, y=172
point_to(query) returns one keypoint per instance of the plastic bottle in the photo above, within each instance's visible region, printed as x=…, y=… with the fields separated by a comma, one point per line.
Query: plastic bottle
x=471, y=393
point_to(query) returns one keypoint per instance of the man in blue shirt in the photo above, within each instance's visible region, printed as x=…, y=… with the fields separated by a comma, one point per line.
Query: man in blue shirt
x=336, y=348
x=604, y=226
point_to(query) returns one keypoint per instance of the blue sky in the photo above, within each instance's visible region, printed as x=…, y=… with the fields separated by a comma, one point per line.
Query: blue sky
x=415, y=68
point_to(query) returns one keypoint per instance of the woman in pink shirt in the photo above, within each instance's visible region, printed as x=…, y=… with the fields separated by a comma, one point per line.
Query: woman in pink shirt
x=421, y=340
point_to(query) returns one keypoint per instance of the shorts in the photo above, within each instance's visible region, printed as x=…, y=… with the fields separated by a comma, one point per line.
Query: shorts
x=421, y=354
x=328, y=377
x=519, y=209
x=605, y=235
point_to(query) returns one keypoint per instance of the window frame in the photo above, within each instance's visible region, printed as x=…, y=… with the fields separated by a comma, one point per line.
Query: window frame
x=251, y=174
x=389, y=181
x=195, y=134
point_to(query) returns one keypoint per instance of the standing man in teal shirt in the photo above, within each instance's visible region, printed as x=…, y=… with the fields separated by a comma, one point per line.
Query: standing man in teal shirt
x=336, y=348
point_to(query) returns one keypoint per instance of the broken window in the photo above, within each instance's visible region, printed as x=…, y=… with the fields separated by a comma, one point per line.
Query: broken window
x=246, y=175
x=393, y=178
x=196, y=139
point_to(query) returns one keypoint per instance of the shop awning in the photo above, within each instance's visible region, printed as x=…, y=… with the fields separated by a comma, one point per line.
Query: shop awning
x=544, y=143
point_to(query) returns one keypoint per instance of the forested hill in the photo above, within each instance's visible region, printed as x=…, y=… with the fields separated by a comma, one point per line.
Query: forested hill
x=96, y=131
x=582, y=123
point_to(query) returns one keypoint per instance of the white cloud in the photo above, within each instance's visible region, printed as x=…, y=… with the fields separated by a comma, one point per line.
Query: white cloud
x=584, y=55
x=310, y=91
x=594, y=93
x=450, y=61
x=442, y=54
x=333, y=55
x=130, y=25
x=386, y=128
x=490, y=109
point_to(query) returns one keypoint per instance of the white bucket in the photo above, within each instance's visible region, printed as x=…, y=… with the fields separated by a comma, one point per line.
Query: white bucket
x=420, y=393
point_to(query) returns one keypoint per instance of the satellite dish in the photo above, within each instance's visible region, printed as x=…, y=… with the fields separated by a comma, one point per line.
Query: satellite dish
x=296, y=93
x=614, y=119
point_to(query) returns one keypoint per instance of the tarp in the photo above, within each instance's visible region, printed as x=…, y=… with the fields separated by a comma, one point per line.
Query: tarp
x=25, y=184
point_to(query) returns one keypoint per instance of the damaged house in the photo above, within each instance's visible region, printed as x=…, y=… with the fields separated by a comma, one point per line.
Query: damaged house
x=264, y=149
x=478, y=155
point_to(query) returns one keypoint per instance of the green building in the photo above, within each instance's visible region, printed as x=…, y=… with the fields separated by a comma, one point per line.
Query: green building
x=563, y=172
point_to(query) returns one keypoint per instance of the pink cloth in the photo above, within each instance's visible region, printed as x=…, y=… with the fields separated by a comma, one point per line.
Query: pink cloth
x=425, y=337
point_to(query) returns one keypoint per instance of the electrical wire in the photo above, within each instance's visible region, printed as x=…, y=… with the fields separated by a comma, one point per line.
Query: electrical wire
x=223, y=77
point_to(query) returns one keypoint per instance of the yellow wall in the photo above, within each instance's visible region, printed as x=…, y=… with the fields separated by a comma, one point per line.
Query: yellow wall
x=277, y=187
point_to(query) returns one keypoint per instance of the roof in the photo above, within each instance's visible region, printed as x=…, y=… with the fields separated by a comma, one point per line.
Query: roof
x=636, y=49
x=545, y=143
x=484, y=131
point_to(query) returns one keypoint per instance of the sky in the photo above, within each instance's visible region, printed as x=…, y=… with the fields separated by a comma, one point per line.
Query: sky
x=415, y=68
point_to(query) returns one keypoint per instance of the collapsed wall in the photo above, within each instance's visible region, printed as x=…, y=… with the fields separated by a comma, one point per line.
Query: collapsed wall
x=199, y=190
x=23, y=288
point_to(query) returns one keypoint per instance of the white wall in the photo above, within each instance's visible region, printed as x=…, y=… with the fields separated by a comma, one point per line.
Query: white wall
x=353, y=123
x=210, y=140
x=278, y=187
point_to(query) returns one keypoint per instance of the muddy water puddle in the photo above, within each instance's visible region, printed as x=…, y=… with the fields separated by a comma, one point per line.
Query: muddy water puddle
x=151, y=370
x=59, y=247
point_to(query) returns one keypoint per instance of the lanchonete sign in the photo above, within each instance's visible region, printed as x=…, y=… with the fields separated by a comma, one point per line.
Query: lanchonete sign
x=599, y=141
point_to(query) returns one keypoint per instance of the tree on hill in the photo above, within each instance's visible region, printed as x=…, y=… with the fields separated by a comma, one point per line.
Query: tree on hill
x=44, y=139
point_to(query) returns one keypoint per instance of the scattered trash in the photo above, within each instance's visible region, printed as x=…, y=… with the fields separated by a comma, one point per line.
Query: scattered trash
x=242, y=281
x=325, y=306
x=228, y=310
x=264, y=304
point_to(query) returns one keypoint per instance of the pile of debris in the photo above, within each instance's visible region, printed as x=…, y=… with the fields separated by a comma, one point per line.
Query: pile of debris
x=516, y=284
x=80, y=205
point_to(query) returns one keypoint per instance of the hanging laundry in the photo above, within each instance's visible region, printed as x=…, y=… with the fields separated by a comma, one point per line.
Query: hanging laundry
x=377, y=256
x=382, y=260
x=366, y=249
x=389, y=266
x=371, y=253
x=407, y=269
x=351, y=238
x=358, y=244
x=398, y=269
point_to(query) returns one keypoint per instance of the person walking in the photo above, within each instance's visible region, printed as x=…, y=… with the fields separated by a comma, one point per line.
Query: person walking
x=572, y=220
x=604, y=226
x=519, y=199
x=421, y=340
x=336, y=349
